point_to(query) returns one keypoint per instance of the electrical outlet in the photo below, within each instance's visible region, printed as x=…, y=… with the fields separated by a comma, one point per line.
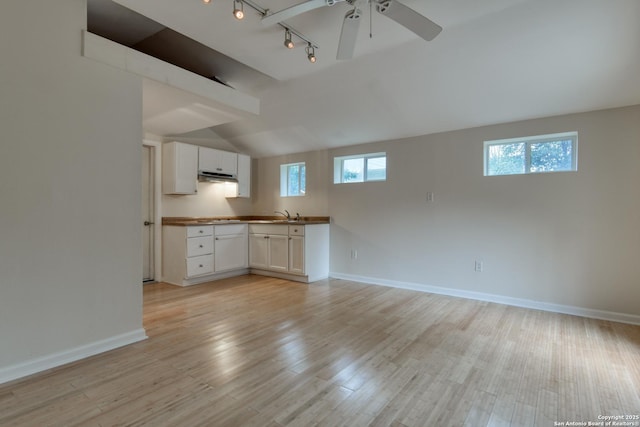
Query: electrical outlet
x=429, y=196
x=479, y=267
x=354, y=254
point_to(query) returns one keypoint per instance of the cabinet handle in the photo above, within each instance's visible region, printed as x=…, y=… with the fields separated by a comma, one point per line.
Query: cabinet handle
x=266, y=237
x=217, y=238
x=218, y=169
x=201, y=246
x=201, y=231
x=201, y=266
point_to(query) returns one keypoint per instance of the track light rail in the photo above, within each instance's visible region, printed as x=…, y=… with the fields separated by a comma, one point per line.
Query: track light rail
x=264, y=12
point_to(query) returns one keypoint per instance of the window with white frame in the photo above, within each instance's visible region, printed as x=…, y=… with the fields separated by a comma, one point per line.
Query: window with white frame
x=360, y=168
x=534, y=154
x=293, y=180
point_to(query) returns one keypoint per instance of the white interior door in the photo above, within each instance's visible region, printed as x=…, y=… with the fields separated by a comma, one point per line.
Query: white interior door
x=148, y=209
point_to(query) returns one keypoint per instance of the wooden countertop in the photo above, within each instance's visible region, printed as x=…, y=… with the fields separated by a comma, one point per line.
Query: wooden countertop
x=188, y=221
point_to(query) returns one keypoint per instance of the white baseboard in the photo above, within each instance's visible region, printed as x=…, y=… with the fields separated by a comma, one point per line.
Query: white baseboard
x=211, y=277
x=480, y=296
x=286, y=276
x=40, y=364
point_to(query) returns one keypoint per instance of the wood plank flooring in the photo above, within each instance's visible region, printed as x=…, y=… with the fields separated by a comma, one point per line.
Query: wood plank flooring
x=258, y=351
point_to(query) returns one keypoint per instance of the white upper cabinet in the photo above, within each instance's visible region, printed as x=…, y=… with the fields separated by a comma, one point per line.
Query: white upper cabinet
x=243, y=187
x=212, y=160
x=179, y=168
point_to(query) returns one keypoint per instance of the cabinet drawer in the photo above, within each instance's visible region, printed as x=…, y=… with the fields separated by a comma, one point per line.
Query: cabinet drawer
x=230, y=229
x=296, y=230
x=199, y=246
x=200, y=230
x=268, y=229
x=199, y=265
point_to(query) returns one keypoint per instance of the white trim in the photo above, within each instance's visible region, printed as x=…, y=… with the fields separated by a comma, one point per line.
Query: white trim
x=212, y=277
x=284, y=179
x=338, y=167
x=157, y=215
x=40, y=364
x=286, y=276
x=499, y=299
x=536, y=139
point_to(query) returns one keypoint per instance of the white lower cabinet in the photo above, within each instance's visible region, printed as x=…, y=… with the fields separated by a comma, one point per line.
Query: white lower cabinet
x=258, y=250
x=296, y=252
x=269, y=248
x=296, y=249
x=278, y=253
x=201, y=253
x=199, y=265
x=230, y=247
x=196, y=254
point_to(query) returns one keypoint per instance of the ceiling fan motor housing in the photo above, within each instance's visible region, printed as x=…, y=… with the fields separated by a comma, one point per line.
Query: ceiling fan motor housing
x=383, y=6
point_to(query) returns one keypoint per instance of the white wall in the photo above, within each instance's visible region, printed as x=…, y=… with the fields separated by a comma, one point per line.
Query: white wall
x=266, y=173
x=209, y=202
x=571, y=239
x=70, y=216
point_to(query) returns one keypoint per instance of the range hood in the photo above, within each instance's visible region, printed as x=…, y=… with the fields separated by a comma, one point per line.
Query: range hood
x=215, y=176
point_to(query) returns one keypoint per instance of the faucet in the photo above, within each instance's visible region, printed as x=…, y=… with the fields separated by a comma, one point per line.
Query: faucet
x=297, y=216
x=287, y=215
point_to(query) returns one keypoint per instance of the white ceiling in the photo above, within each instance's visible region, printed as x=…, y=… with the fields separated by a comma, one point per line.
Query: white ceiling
x=495, y=61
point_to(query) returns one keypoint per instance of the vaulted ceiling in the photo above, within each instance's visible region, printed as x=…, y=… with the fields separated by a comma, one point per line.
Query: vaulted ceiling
x=495, y=61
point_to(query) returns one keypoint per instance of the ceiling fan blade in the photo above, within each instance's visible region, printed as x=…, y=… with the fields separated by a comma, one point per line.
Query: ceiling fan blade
x=409, y=18
x=295, y=10
x=349, y=34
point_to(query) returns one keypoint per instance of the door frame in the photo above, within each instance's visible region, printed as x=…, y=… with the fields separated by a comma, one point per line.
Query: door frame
x=156, y=154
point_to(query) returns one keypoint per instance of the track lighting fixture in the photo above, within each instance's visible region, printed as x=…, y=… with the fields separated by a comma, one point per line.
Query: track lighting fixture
x=311, y=53
x=287, y=39
x=206, y=1
x=238, y=9
x=238, y=13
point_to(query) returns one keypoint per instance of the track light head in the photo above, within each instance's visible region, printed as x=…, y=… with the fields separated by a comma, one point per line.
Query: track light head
x=206, y=1
x=238, y=9
x=311, y=53
x=288, y=43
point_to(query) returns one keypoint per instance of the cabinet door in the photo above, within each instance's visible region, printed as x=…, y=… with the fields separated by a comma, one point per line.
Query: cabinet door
x=278, y=252
x=296, y=254
x=179, y=168
x=208, y=159
x=228, y=162
x=244, y=176
x=258, y=250
x=213, y=160
x=230, y=252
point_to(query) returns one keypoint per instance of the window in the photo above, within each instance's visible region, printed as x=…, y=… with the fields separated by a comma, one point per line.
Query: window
x=360, y=168
x=293, y=180
x=534, y=154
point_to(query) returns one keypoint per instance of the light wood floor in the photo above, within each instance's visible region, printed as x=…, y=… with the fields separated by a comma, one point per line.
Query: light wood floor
x=256, y=351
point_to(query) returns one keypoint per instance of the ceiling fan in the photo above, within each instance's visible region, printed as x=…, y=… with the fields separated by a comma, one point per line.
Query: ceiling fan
x=403, y=15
